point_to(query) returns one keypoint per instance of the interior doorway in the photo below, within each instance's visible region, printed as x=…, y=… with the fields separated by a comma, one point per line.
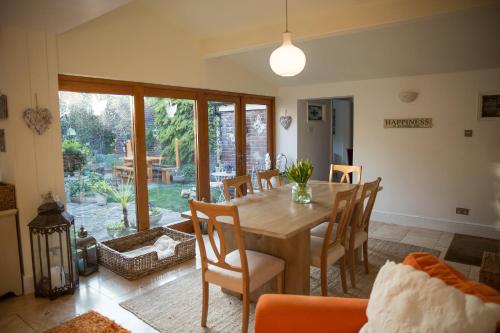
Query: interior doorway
x=342, y=128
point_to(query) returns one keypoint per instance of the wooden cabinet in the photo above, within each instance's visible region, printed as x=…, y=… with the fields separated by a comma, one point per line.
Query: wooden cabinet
x=10, y=264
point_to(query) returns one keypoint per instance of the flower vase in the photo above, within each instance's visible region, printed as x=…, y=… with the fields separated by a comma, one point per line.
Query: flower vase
x=301, y=193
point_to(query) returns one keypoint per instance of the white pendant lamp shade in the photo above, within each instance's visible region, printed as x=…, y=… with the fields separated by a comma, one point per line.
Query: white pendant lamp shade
x=287, y=60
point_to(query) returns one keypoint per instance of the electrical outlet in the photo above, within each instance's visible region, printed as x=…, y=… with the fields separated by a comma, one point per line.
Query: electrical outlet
x=462, y=211
x=468, y=133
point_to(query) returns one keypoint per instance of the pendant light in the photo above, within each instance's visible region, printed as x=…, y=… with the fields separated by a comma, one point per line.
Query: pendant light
x=287, y=60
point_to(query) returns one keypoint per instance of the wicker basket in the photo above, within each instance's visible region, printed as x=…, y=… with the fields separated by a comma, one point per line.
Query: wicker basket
x=110, y=252
x=7, y=196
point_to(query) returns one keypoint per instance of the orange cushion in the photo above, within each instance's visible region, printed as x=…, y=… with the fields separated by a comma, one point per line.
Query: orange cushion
x=428, y=263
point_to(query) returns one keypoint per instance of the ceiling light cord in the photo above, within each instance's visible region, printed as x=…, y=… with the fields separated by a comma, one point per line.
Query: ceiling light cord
x=286, y=15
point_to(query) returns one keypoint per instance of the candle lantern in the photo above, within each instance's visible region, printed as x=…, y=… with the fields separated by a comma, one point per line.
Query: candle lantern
x=86, y=249
x=53, y=251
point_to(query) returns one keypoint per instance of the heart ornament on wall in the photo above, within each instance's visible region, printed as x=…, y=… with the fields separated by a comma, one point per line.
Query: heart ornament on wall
x=285, y=121
x=38, y=119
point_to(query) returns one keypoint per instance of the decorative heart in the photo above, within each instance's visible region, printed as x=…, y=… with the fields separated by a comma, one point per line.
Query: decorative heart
x=285, y=121
x=38, y=120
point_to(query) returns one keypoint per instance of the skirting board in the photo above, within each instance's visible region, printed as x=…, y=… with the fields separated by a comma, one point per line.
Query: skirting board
x=456, y=227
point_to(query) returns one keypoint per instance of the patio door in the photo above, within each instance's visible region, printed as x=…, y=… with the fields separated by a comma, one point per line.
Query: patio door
x=225, y=144
x=99, y=161
x=258, y=127
x=169, y=120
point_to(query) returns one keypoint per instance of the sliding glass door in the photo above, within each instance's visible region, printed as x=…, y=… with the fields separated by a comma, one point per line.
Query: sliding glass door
x=99, y=163
x=135, y=153
x=170, y=157
x=224, y=133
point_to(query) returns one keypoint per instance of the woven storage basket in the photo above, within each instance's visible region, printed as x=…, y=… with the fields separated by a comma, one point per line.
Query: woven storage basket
x=110, y=252
x=7, y=196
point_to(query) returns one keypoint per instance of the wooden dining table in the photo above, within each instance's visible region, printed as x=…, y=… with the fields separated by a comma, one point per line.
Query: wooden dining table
x=272, y=223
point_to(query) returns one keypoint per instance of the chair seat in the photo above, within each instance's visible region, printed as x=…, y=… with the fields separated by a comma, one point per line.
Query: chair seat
x=335, y=252
x=360, y=236
x=261, y=268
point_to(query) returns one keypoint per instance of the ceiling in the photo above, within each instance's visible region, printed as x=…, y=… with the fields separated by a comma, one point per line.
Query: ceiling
x=466, y=40
x=55, y=16
x=226, y=26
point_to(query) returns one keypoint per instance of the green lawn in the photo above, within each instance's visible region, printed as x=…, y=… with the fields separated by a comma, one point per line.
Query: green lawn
x=169, y=196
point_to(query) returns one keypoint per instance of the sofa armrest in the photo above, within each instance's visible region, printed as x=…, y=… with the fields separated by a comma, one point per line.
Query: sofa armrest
x=293, y=313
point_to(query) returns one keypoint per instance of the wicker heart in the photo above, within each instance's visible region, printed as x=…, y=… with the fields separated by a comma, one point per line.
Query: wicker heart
x=37, y=119
x=285, y=121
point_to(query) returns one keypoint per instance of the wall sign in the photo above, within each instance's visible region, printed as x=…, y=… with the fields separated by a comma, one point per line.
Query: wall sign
x=408, y=123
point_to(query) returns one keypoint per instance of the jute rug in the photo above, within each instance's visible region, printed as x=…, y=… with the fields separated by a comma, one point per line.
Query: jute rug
x=176, y=306
x=88, y=322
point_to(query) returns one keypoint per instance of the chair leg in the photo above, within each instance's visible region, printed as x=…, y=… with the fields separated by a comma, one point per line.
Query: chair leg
x=204, y=309
x=324, y=281
x=280, y=282
x=342, y=274
x=352, y=266
x=365, y=256
x=246, y=311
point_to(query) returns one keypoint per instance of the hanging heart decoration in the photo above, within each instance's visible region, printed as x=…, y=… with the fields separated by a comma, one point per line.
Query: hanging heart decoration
x=285, y=121
x=38, y=119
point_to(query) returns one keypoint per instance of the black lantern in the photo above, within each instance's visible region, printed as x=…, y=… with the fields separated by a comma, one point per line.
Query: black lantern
x=86, y=249
x=52, y=236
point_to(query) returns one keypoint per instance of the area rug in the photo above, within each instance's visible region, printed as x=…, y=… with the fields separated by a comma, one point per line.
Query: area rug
x=469, y=250
x=88, y=322
x=176, y=306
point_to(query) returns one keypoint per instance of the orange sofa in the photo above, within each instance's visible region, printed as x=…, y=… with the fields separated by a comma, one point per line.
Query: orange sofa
x=292, y=313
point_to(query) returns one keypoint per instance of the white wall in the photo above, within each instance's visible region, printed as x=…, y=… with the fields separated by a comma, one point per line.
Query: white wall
x=134, y=43
x=426, y=173
x=28, y=66
x=342, y=139
x=314, y=140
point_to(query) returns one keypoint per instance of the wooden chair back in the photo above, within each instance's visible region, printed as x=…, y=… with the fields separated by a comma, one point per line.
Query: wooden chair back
x=239, y=183
x=210, y=213
x=344, y=200
x=267, y=176
x=369, y=193
x=345, y=170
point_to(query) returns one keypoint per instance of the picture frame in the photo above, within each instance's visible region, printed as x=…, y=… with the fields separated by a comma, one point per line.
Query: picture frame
x=488, y=106
x=316, y=112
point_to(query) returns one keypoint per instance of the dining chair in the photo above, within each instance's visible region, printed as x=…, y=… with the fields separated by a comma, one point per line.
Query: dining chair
x=267, y=176
x=345, y=170
x=327, y=250
x=241, y=271
x=238, y=182
x=357, y=231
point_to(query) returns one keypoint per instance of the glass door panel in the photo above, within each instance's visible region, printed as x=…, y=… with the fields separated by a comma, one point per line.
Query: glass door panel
x=98, y=153
x=256, y=140
x=170, y=157
x=222, y=146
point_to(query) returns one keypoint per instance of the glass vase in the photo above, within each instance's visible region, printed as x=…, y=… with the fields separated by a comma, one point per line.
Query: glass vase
x=301, y=193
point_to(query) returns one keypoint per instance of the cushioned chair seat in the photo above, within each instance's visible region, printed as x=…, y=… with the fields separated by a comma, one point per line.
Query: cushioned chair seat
x=360, y=237
x=334, y=253
x=261, y=268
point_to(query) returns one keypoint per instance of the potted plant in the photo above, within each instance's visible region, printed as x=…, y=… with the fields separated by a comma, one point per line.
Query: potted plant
x=155, y=215
x=74, y=155
x=122, y=193
x=300, y=173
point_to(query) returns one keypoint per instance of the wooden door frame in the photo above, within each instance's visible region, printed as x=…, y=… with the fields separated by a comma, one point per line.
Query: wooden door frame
x=139, y=90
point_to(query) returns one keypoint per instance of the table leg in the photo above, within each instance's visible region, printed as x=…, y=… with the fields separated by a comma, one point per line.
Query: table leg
x=295, y=251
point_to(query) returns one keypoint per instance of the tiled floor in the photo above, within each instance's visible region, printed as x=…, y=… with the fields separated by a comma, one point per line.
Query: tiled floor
x=103, y=291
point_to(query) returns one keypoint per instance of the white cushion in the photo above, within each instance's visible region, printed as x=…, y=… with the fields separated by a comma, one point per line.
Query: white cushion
x=360, y=236
x=334, y=253
x=407, y=300
x=261, y=268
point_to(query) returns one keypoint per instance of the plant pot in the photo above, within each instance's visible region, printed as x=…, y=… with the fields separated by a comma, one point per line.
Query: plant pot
x=155, y=218
x=301, y=193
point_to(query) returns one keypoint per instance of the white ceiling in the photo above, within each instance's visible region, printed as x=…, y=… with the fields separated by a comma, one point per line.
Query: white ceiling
x=54, y=16
x=466, y=40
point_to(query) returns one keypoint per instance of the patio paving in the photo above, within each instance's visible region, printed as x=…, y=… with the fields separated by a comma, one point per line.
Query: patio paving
x=95, y=217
